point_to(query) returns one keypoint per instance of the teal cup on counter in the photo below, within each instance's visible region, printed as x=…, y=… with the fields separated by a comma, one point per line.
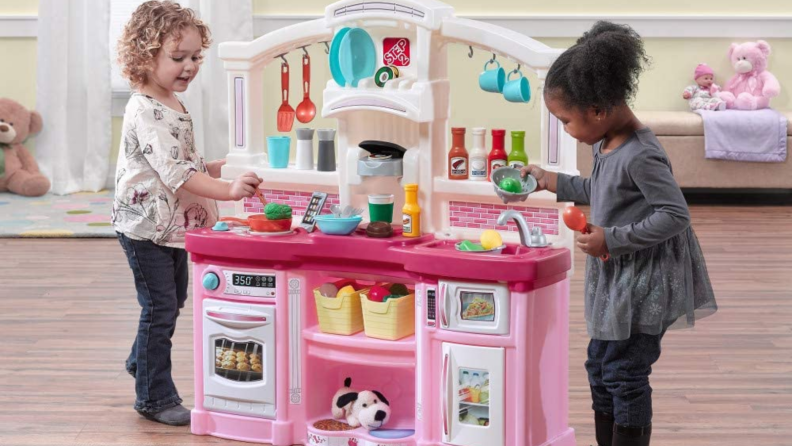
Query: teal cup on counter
x=278, y=151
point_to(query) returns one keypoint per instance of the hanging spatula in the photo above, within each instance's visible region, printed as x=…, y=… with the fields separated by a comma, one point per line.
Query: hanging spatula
x=285, y=112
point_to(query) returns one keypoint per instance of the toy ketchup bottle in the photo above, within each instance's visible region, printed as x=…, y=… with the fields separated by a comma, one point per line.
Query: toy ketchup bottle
x=497, y=157
x=517, y=157
x=458, y=156
x=411, y=212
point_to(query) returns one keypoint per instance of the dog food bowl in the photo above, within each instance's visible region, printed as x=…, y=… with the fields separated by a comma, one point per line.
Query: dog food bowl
x=528, y=184
x=332, y=225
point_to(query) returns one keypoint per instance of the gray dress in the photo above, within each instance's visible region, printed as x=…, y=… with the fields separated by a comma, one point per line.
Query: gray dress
x=656, y=277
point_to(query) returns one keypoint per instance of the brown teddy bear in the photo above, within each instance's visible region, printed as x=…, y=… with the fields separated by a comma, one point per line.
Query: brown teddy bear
x=21, y=174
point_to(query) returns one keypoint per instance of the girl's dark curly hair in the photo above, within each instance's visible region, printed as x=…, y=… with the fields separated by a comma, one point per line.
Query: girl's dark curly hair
x=601, y=70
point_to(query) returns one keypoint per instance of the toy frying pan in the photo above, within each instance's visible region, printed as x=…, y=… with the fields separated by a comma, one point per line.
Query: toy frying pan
x=575, y=220
x=260, y=223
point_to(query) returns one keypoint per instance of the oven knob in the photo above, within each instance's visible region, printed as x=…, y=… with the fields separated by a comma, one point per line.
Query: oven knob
x=211, y=281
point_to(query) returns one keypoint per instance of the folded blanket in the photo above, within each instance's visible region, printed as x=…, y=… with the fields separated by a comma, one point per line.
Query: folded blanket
x=745, y=135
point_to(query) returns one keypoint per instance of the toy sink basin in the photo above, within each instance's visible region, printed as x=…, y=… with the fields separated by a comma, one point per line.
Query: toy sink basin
x=451, y=247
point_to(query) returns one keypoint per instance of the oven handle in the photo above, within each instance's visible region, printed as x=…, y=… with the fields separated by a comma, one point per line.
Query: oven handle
x=443, y=318
x=236, y=320
x=445, y=397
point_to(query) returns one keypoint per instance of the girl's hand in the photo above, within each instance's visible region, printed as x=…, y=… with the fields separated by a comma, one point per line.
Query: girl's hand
x=593, y=243
x=244, y=186
x=686, y=95
x=538, y=173
x=213, y=168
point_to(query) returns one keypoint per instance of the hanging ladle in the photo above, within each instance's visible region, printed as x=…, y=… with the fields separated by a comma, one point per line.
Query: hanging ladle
x=306, y=110
x=575, y=220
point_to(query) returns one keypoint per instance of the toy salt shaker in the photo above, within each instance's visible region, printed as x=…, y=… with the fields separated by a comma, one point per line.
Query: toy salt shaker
x=305, y=149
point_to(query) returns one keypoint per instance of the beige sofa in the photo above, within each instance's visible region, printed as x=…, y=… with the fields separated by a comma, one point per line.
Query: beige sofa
x=682, y=136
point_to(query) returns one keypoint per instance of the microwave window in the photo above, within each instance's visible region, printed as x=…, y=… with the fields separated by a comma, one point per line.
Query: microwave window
x=238, y=361
x=478, y=306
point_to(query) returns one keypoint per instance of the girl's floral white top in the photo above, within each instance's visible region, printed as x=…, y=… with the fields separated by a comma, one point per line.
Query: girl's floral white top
x=157, y=156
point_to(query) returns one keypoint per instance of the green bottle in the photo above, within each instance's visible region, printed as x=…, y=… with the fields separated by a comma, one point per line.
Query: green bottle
x=517, y=156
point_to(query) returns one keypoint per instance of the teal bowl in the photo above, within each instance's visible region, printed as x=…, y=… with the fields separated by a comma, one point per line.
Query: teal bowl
x=335, y=63
x=357, y=56
x=331, y=225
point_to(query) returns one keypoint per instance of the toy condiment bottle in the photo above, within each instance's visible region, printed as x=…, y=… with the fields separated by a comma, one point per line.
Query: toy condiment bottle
x=411, y=212
x=517, y=156
x=458, y=156
x=497, y=157
x=478, y=156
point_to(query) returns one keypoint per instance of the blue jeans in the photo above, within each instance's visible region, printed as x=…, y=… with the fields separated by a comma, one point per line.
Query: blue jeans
x=619, y=377
x=161, y=281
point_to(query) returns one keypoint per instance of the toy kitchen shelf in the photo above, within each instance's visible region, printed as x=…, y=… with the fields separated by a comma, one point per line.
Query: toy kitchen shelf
x=502, y=318
x=402, y=97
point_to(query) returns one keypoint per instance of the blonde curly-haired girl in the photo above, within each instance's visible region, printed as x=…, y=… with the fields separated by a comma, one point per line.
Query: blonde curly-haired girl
x=163, y=189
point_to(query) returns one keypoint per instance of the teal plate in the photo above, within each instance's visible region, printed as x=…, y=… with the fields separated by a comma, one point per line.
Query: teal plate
x=335, y=63
x=357, y=56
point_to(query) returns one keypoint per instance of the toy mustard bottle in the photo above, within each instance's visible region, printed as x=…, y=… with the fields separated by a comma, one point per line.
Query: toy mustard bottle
x=411, y=212
x=458, y=156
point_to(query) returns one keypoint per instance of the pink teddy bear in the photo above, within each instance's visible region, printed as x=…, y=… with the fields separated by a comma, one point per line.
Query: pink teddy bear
x=752, y=87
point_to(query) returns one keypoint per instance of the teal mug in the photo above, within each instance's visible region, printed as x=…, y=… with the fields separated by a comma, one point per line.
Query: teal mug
x=278, y=151
x=517, y=90
x=492, y=80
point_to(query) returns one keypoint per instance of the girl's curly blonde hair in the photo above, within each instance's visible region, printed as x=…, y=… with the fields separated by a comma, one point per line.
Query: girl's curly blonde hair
x=145, y=33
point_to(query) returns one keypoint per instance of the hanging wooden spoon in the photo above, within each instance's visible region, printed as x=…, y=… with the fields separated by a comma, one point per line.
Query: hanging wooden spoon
x=575, y=220
x=306, y=110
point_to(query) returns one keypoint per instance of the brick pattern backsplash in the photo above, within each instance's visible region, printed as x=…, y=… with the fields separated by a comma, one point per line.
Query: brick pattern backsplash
x=297, y=200
x=485, y=216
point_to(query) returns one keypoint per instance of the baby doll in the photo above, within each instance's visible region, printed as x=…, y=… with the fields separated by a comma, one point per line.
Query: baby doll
x=704, y=95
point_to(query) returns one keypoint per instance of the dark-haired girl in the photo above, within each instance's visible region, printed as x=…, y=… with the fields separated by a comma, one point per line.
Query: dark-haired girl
x=656, y=277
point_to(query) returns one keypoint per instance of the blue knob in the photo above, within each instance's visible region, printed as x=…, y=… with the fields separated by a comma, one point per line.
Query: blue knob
x=211, y=281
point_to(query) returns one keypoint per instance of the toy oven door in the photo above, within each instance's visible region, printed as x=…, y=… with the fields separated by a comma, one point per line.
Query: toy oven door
x=239, y=358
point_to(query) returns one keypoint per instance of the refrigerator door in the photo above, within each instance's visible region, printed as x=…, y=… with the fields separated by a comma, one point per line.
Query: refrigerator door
x=473, y=395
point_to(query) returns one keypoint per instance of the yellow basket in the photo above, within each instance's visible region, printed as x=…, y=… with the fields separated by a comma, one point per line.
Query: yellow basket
x=340, y=315
x=390, y=320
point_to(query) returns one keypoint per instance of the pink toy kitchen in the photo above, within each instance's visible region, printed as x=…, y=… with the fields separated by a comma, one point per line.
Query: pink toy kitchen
x=386, y=286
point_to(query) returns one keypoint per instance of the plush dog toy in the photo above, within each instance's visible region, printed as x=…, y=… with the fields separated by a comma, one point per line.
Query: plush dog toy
x=753, y=86
x=21, y=174
x=367, y=408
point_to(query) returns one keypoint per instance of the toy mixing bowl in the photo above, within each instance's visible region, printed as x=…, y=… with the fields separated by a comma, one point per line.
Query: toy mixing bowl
x=528, y=184
x=332, y=225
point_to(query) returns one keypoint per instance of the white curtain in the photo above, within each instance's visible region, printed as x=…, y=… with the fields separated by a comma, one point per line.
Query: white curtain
x=73, y=94
x=207, y=97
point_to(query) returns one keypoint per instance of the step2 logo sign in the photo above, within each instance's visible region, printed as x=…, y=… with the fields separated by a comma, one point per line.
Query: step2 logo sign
x=396, y=51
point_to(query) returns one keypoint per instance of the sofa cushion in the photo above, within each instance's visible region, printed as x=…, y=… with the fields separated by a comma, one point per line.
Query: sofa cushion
x=681, y=123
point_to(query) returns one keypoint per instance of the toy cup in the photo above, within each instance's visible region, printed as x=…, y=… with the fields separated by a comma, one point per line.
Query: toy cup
x=278, y=151
x=517, y=90
x=492, y=80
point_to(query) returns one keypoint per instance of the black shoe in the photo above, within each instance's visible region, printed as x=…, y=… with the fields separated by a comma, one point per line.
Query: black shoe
x=631, y=436
x=603, y=426
x=173, y=416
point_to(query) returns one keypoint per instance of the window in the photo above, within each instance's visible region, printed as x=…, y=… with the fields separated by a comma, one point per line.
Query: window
x=120, y=11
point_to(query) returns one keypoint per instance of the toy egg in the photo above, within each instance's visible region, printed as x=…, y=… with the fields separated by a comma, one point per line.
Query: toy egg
x=328, y=290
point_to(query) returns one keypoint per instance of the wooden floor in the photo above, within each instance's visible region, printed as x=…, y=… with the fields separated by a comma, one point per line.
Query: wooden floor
x=68, y=315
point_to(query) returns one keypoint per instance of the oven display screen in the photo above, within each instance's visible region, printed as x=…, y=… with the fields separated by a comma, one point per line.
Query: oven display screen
x=253, y=280
x=477, y=306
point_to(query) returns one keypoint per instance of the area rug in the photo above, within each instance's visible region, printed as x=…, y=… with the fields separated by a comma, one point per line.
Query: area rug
x=84, y=214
